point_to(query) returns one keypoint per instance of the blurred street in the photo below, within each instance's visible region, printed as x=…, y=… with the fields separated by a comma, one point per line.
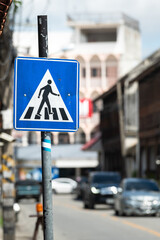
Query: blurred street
x=71, y=221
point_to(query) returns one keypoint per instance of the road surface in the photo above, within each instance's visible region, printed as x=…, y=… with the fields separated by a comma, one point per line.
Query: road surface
x=72, y=222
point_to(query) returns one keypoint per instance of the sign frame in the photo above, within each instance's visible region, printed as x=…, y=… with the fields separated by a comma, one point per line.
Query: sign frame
x=65, y=76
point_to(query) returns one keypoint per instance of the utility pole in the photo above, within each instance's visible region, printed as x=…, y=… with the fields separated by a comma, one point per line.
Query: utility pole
x=46, y=145
x=121, y=123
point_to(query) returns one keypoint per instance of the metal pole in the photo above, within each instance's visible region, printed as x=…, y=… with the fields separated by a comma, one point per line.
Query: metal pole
x=46, y=145
x=121, y=126
x=138, y=146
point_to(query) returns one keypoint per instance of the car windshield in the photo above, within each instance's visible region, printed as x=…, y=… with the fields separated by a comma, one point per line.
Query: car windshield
x=106, y=179
x=141, y=185
x=27, y=182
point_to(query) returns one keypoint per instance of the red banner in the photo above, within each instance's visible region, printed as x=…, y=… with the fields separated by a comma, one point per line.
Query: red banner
x=86, y=108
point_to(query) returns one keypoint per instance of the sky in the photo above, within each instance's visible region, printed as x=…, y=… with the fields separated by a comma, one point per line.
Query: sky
x=147, y=12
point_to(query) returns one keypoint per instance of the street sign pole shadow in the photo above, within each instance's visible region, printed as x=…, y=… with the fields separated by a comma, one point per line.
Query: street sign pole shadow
x=46, y=144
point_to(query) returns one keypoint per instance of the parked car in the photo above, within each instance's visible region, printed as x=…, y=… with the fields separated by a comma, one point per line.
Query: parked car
x=64, y=185
x=137, y=197
x=28, y=188
x=79, y=191
x=101, y=188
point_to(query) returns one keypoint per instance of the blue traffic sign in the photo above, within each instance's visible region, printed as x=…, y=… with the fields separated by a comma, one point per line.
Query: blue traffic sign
x=46, y=94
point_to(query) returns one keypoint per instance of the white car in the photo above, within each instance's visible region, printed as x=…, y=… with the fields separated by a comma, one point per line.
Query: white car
x=63, y=185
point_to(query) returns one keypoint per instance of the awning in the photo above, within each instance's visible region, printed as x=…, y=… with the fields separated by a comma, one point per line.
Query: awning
x=90, y=145
x=6, y=137
x=63, y=156
x=130, y=142
x=80, y=163
x=62, y=163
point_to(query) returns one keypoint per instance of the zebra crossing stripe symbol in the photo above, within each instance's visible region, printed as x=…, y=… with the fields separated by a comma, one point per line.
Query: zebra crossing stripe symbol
x=46, y=103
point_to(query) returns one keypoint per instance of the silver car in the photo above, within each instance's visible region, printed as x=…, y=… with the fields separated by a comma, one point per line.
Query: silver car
x=137, y=197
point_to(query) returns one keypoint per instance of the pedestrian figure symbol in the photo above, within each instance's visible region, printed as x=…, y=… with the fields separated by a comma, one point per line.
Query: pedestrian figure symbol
x=46, y=91
x=46, y=103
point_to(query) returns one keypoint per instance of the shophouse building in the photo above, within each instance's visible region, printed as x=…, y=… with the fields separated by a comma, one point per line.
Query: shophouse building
x=129, y=122
x=107, y=47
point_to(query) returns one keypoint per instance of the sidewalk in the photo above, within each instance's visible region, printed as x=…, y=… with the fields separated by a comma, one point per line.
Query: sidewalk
x=20, y=235
x=24, y=227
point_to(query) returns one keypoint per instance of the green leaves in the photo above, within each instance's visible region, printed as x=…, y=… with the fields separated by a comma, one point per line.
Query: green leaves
x=17, y=3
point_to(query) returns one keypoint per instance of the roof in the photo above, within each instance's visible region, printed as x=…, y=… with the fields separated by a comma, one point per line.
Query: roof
x=143, y=68
x=108, y=173
x=63, y=156
x=137, y=73
x=90, y=144
x=137, y=179
x=115, y=18
x=63, y=151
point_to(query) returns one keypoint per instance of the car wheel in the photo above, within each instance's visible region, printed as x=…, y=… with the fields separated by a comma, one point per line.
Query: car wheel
x=116, y=212
x=85, y=205
x=121, y=213
x=91, y=206
x=154, y=214
x=91, y=203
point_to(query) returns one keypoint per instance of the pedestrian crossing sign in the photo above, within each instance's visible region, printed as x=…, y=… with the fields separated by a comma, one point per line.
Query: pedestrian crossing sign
x=46, y=94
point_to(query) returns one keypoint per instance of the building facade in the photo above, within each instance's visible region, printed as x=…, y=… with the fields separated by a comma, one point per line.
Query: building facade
x=130, y=122
x=107, y=46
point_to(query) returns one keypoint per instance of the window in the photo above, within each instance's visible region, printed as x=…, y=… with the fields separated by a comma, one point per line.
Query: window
x=111, y=72
x=32, y=138
x=99, y=35
x=63, y=138
x=95, y=72
x=83, y=72
x=79, y=136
